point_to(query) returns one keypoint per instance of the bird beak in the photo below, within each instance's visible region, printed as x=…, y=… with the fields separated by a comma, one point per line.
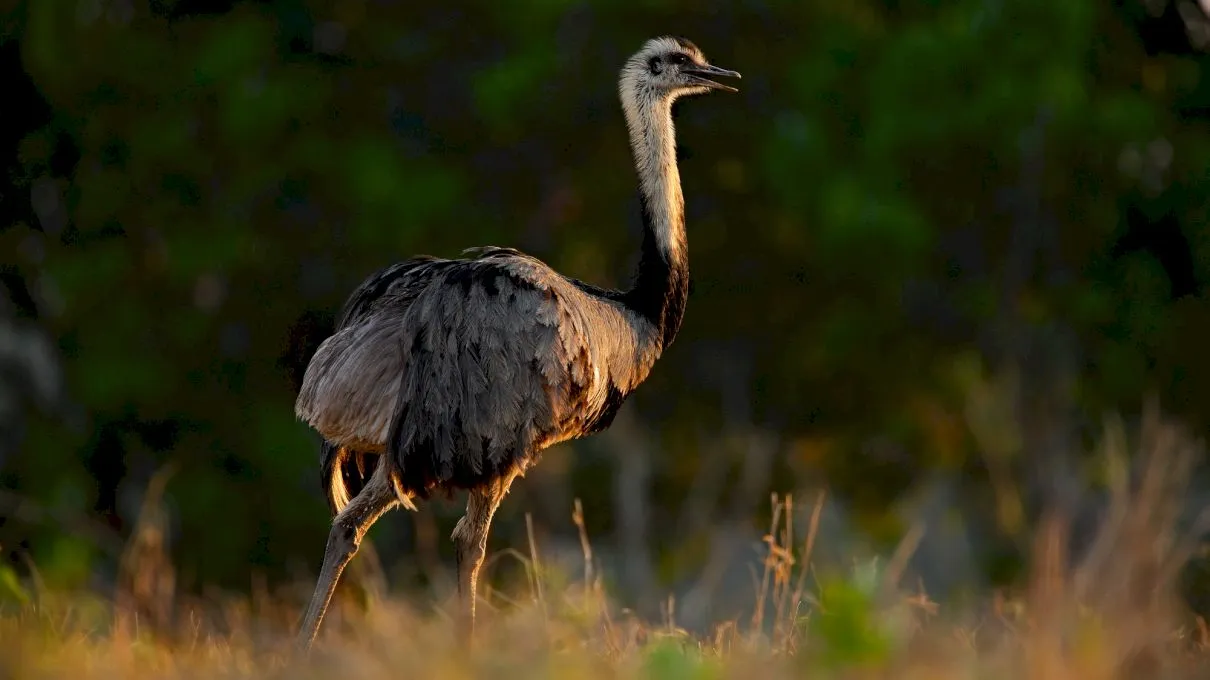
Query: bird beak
x=698, y=75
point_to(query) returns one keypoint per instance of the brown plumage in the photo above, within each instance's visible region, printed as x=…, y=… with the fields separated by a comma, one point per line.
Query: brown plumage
x=448, y=374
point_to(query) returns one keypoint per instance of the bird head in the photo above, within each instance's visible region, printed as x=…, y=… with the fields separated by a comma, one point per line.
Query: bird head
x=667, y=68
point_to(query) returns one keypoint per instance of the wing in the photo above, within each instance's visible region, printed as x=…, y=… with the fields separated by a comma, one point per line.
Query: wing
x=504, y=357
x=399, y=283
x=351, y=382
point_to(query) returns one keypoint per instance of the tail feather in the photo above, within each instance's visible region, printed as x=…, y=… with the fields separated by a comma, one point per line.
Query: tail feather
x=345, y=474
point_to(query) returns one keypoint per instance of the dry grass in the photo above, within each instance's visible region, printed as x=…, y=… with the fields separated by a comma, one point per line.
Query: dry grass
x=1113, y=612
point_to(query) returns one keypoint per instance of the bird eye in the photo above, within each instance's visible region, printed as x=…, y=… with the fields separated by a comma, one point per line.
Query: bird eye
x=678, y=59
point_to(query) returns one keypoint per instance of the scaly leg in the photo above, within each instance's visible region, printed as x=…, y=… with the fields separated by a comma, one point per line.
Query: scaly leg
x=348, y=528
x=470, y=543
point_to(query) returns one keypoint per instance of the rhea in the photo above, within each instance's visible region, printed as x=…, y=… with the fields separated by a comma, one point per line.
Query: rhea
x=452, y=374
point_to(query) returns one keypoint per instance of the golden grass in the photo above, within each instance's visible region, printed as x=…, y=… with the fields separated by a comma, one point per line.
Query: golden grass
x=1111, y=613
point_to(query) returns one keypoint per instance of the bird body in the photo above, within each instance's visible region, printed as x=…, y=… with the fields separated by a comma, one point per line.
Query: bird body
x=448, y=374
x=462, y=369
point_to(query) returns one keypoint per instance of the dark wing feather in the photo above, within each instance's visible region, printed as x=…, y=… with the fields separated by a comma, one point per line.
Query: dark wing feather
x=349, y=386
x=504, y=357
x=345, y=471
x=398, y=282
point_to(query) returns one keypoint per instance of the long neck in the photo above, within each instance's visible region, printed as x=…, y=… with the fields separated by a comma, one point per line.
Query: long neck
x=661, y=285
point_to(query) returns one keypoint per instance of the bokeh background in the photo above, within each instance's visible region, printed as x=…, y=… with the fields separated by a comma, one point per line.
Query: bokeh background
x=933, y=245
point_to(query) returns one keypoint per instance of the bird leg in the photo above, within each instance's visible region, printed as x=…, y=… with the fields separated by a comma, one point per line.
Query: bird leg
x=470, y=543
x=348, y=528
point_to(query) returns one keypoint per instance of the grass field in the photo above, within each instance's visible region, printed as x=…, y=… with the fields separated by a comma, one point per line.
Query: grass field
x=1113, y=612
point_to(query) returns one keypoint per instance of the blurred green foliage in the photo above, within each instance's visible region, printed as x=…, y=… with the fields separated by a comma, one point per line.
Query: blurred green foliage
x=670, y=659
x=906, y=199
x=11, y=590
x=847, y=624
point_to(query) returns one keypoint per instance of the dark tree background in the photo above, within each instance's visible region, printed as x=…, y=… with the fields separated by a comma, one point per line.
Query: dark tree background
x=933, y=244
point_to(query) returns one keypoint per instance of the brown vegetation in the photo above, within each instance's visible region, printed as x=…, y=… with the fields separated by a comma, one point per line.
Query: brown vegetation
x=1111, y=611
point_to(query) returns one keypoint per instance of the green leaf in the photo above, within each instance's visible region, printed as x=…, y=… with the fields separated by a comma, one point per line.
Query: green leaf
x=847, y=625
x=11, y=589
x=670, y=659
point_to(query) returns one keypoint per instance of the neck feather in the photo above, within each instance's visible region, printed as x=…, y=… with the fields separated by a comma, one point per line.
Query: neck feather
x=661, y=285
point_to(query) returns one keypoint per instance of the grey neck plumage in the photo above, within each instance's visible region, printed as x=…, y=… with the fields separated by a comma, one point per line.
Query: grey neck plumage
x=662, y=282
